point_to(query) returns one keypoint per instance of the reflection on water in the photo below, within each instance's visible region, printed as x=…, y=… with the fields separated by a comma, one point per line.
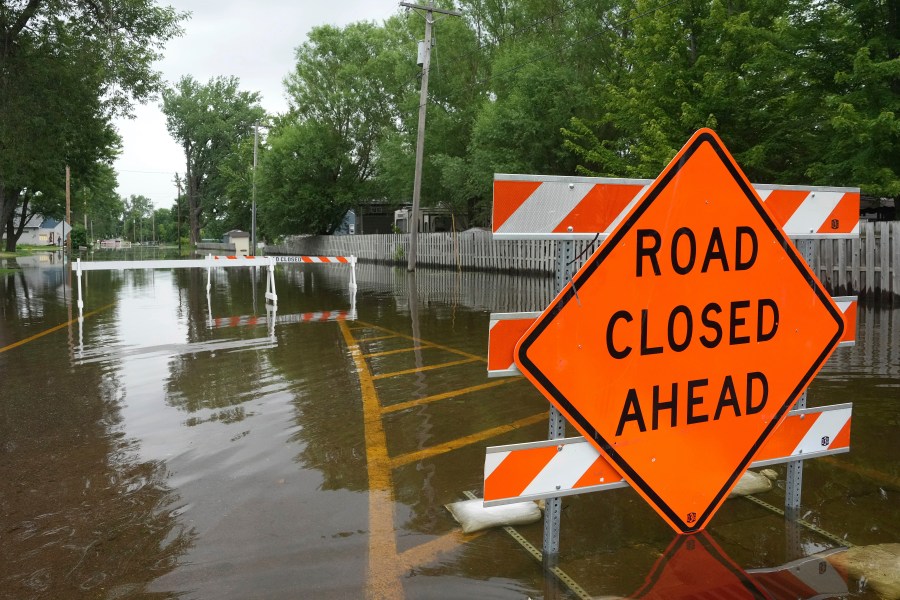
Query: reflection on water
x=193, y=446
x=697, y=567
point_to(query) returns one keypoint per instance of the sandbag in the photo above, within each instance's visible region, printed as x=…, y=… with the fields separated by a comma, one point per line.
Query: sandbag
x=878, y=565
x=473, y=516
x=752, y=482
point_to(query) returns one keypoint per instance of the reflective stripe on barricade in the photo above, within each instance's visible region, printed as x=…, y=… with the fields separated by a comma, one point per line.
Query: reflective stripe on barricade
x=507, y=328
x=553, y=468
x=547, y=207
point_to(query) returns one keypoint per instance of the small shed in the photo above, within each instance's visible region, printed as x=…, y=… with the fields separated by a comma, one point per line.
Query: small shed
x=240, y=240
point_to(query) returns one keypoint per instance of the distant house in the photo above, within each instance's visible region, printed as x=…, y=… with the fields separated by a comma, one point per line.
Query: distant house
x=432, y=219
x=42, y=231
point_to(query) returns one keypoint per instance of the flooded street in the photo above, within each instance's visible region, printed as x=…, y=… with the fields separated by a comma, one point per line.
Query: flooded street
x=175, y=445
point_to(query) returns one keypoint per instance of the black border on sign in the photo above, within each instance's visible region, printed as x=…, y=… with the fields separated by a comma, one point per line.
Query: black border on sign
x=568, y=294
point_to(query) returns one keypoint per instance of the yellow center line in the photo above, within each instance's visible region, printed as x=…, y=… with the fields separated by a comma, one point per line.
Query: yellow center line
x=452, y=363
x=51, y=330
x=400, y=351
x=382, y=571
x=428, y=399
x=425, y=453
x=447, y=348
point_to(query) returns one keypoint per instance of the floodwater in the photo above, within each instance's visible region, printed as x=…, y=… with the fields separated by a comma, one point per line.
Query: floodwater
x=179, y=445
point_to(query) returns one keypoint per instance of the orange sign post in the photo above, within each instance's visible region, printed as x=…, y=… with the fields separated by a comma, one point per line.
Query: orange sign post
x=683, y=341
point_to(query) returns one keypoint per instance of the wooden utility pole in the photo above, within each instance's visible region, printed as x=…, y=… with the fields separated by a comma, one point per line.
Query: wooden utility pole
x=68, y=211
x=253, y=207
x=420, y=138
x=178, y=204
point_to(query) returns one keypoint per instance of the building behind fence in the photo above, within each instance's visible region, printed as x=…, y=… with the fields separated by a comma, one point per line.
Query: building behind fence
x=868, y=266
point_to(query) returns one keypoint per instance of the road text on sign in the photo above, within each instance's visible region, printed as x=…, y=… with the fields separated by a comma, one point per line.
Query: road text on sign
x=684, y=339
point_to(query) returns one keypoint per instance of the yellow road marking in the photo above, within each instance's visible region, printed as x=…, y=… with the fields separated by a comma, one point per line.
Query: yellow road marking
x=425, y=453
x=381, y=337
x=382, y=580
x=425, y=368
x=51, y=330
x=428, y=399
x=400, y=351
x=408, y=337
x=429, y=551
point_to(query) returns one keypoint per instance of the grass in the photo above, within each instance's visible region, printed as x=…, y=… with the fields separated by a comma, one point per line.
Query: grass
x=23, y=250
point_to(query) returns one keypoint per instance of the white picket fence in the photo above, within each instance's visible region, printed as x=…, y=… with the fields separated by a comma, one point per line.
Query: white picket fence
x=868, y=266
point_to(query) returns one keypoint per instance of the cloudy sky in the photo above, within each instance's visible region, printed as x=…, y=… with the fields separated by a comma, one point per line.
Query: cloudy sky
x=253, y=41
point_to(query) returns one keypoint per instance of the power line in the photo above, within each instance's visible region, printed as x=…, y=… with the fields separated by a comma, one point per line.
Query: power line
x=146, y=172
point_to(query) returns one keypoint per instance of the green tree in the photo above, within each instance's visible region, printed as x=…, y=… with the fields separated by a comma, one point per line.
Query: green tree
x=66, y=68
x=136, y=219
x=344, y=95
x=306, y=180
x=859, y=92
x=211, y=122
x=802, y=93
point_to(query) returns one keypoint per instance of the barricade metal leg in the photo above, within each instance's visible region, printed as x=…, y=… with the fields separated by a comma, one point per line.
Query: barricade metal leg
x=271, y=314
x=353, y=273
x=80, y=300
x=793, y=488
x=270, y=283
x=557, y=428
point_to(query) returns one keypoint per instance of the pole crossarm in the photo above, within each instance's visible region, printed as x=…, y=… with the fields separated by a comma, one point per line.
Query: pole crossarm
x=432, y=9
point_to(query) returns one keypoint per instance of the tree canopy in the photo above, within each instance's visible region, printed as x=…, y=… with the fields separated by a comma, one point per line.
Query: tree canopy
x=212, y=122
x=67, y=67
x=802, y=92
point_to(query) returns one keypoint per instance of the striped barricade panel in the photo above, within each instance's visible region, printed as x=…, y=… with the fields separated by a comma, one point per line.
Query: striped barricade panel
x=313, y=259
x=308, y=317
x=507, y=328
x=546, y=207
x=554, y=468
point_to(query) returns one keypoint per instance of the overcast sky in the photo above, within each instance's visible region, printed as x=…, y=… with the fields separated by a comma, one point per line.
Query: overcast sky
x=254, y=41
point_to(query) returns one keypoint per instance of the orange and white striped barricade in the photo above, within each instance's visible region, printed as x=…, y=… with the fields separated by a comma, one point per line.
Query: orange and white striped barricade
x=507, y=328
x=528, y=207
x=301, y=259
x=555, y=468
x=320, y=316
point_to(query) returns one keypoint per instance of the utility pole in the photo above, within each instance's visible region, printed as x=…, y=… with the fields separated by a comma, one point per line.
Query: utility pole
x=253, y=206
x=420, y=138
x=178, y=204
x=68, y=210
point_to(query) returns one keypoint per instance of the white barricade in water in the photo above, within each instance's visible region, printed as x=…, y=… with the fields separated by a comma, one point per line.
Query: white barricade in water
x=208, y=263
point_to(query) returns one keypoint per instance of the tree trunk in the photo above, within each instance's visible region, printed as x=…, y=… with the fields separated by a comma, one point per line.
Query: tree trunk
x=193, y=208
x=23, y=218
x=8, y=201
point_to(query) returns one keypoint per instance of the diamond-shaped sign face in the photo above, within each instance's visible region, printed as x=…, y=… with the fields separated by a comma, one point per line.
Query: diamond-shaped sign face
x=685, y=338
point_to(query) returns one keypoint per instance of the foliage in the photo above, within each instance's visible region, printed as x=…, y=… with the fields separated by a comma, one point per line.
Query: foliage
x=79, y=236
x=66, y=68
x=801, y=92
x=344, y=95
x=305, y=182
x=212, y=122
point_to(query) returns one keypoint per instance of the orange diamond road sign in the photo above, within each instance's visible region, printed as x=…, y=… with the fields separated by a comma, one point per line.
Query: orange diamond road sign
x=685, y=338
